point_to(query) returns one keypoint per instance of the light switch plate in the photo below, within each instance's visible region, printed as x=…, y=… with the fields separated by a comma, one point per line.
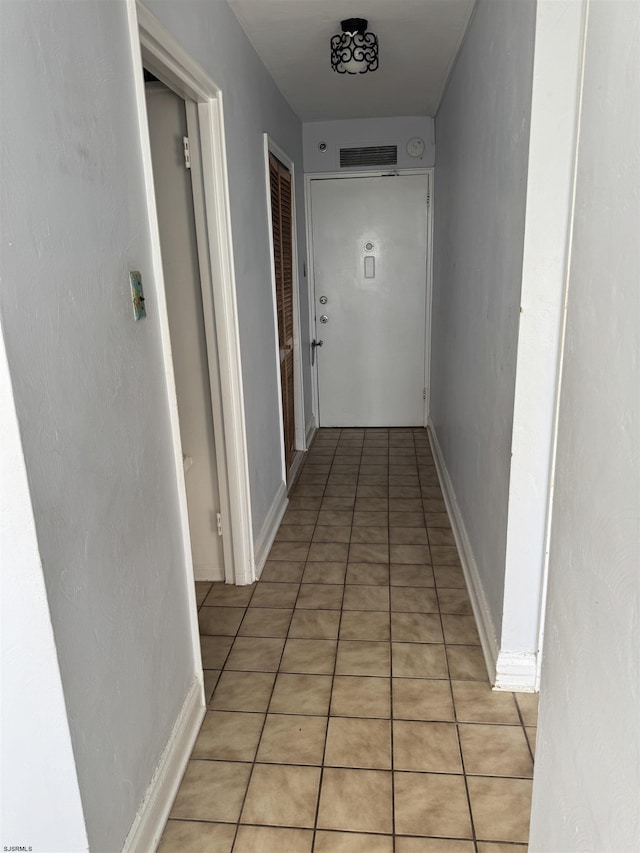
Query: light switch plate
x=137, y=295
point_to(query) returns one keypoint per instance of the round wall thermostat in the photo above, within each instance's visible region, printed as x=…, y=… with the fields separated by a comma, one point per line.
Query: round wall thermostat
x=322, y=147
x=415, y=147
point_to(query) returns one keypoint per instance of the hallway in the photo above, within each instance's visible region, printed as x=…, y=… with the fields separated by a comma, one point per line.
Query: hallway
x=348, y=702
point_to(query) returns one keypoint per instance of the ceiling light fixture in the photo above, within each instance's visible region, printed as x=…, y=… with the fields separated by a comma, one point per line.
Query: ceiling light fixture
x=354, y=50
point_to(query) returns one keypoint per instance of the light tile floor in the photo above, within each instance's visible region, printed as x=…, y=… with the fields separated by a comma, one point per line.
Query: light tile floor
x=348, y=704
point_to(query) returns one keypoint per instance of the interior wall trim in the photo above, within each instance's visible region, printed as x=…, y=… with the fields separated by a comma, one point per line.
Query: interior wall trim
x=267, y=534
x=479, y=603
x=153, y=813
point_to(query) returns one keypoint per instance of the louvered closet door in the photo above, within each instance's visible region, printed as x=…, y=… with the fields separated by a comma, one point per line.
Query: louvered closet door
x=280, y=180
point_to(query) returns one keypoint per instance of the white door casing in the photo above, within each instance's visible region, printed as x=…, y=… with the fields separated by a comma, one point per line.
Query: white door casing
x=369, y=244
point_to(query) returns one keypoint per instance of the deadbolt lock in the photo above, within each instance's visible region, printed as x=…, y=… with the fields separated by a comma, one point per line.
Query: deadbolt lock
x=324, y=319
x=323, y=300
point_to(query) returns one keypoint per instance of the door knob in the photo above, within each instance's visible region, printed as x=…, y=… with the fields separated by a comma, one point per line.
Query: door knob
x=324, y=319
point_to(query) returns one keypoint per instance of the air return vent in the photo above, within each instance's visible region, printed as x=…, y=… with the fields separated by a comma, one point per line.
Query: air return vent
x=379, y=155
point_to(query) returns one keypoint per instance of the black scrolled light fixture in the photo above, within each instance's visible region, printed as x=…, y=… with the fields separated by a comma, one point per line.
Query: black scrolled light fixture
x=354, y=50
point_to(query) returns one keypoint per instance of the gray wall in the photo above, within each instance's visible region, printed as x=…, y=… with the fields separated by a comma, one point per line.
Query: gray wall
x=252, y=106
x=482, y=132
x=585, y=794
x=89, y=383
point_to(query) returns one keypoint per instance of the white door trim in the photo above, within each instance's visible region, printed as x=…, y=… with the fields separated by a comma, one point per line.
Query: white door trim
x=165, y=58
x=271, y=147
x=325, y=176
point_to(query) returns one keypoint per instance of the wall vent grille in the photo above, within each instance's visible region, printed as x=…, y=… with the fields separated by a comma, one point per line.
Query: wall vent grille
x=378, y=155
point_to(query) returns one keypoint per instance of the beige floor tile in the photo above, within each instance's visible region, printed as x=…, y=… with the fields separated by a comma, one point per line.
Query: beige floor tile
x=365, y=625
x=492, y=750
x=332, y=534
x=185, y=836
x=437, y=519
x=301, y=694
x=356, y=800
x=363, y=658
x=410, y=554
x=229, y=736
x=325, y=572
x=528, y=704
x=243, y=691
x=270, y=839
x=354, y=742
x=265, y=622
x=289, y=551
x=426, y=746
x=422, y=699
x=320, y=596
x=433, y=845
x=338, y=502
x=441, y=536
x=411, y=599
x=300, y=516
x=454, y=601
x=282, y=795
x=214, y=651
x=416, y=628
x=451, y=577
x=275, y=595
x=202, y=590
x=370, y=534
x=372, y=491
x=227, y=595
x=295, y=532
x=315, y=657
x=374, y=552
x=328, y=551
x=282, y=571
x=315, y=624
x=359, y=696
x=352, y=842
x=497, y=847
x=405, y=505
x=448, y=811
x=366, y=598
x=372, y=504
x=292, y=739
x=406, y=519
x=476, y=702
x=369, y=519
x=532, y=732
x=415, y=660
x=444, y=555
x=432, y=504
x=333, y=517
x=304, y=504
x=212, y=790
x=500, y=808
x=340, y=491
x=376, y=574
x=406, y=575
x=404, y=491
x=460, y=630
x=255, y=654
x=211, y=677
x=466, y=663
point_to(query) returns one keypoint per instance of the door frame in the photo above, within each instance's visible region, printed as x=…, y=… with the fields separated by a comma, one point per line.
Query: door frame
x=271, y=147
x=378, y=173
x=154, y=47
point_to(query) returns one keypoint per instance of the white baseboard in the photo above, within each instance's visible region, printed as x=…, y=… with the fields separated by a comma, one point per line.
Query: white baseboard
x=146, y=830
x=269, y=529
x=310, y=430
x=479, y=603
x=516, y=672
x=208, y=572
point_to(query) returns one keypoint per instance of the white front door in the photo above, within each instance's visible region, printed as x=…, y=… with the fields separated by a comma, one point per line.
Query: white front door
x=370, y=274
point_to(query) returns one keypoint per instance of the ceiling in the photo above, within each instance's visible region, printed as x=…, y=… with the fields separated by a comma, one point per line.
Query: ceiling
x=419, y=40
